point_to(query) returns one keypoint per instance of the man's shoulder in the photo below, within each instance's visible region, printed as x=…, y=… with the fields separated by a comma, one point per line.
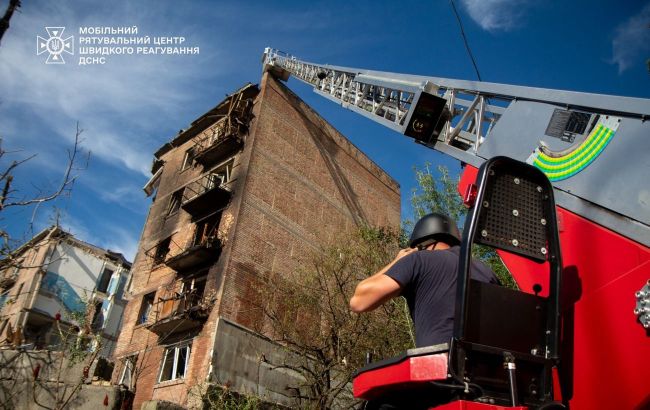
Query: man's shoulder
x=439, y=257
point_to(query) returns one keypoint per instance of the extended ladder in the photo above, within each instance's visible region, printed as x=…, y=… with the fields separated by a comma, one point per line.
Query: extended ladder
x=592, y=147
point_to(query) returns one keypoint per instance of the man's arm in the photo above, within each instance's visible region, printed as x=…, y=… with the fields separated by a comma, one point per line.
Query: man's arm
x=373, y=291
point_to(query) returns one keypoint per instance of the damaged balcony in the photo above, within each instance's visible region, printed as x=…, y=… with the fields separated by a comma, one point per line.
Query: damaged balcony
x=224, y=138
x=223, y=141
x=178, y=312
x=203, y=247
x=194, y=255
x=206, y=194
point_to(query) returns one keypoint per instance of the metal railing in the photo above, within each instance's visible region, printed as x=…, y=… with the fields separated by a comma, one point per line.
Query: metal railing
x=176, y=305
x=204, y=184
x=224, y=128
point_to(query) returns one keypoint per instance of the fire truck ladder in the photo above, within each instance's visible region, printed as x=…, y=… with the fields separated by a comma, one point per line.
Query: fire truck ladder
x=571, y=136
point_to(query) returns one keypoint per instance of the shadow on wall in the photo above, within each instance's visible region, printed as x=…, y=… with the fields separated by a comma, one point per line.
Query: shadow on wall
x=571, y=289
x=328, y=150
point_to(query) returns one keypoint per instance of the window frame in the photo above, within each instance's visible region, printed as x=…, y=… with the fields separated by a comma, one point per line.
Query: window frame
x=188, y=159
x=102, y=282
x=177, y=352
x=175, y=202
x=141, y=313
x=129, y=364
x=158, y=256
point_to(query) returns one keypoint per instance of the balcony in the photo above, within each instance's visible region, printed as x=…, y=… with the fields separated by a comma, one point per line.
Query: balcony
x=197, y=253
x=224, y=140
x=208, y=193
x=178, y=312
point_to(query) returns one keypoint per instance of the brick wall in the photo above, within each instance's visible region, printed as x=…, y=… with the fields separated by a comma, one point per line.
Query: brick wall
x=297, y=184
x=305, y=184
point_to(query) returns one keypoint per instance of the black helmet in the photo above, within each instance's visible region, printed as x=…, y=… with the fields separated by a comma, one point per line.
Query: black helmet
x=435, y=226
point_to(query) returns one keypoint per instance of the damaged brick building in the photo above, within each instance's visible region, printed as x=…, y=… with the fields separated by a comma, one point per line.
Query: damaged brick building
x=248, y=190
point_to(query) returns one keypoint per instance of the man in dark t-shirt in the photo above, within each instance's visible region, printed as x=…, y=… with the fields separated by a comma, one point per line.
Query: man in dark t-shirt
x=427, y=280
x=425, y=274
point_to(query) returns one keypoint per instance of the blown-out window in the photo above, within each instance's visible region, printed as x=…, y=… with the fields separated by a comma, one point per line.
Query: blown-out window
x=145, y=308
x=175, y=362
x=127, y=373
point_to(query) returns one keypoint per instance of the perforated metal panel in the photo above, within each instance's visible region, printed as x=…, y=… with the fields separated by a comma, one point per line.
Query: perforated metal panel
x=512, y=215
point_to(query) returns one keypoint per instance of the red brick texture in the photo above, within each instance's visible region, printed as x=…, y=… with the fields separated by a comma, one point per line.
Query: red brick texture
x=305, y=184
x=298, y=184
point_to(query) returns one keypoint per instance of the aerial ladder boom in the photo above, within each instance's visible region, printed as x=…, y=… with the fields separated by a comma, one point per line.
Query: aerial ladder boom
x=562, y=132
x=595, y=151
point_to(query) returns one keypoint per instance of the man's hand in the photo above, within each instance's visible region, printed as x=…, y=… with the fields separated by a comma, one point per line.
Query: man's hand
x=403, y=252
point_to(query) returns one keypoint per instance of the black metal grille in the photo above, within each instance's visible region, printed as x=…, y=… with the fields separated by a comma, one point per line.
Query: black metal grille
x=512, y=215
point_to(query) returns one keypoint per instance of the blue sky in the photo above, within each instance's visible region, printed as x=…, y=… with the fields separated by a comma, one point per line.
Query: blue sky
x=133, y=104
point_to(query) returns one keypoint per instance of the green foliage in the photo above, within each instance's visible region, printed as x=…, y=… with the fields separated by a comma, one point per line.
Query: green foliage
x=78, y=341
x=439, y=193
x=490, y=258
x=222, y=398
x=310, y=315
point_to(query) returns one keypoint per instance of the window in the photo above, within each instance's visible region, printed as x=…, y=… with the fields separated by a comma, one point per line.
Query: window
x=3, y=300
x=175, y=202
x=192, y=292
x=162, y=249
x=188, y=159
x=215, y=180
x=175, y=362
x=127, y=373
x=104, y=279
x=121, y=285
x=98, y=318
x=145, y=308
x=206, y=230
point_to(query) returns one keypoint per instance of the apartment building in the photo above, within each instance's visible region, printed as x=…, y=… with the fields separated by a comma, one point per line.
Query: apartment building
x=54, y=275
x=249, y=189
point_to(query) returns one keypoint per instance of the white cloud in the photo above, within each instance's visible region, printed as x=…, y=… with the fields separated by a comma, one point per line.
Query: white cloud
x=632, y=40
x=495, y=15
x=119, y=104
x=77, y=228
x=122, y=241
x=113, y=237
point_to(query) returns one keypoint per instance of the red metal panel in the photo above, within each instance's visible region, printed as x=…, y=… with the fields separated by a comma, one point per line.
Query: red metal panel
x=606, y=352
x=412, y=370
x=471, y=405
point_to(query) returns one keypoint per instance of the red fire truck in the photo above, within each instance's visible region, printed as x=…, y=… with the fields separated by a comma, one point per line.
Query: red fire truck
x=556, y=182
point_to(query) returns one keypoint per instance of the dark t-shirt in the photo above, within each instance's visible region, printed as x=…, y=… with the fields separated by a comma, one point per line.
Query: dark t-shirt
x=428, y=282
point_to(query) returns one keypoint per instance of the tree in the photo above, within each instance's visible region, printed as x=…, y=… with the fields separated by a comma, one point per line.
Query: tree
x=309, y=314
x=73, y=341
x=4, y=22
x=440, y=194
x=53, y=377
x=10, y=197
x=311, y=317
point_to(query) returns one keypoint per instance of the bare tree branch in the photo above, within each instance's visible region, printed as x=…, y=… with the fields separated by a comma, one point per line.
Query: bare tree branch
x=74, y=163
x=66, y=182
x=327, y=343
x=4, y=22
